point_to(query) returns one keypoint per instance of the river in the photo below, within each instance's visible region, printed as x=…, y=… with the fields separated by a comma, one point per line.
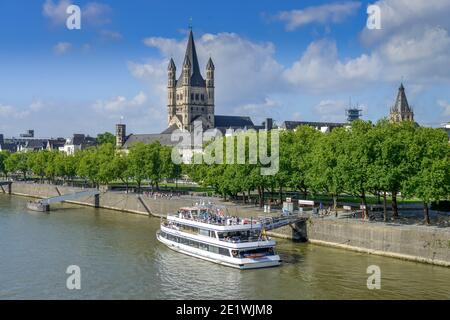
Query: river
x=120, y=258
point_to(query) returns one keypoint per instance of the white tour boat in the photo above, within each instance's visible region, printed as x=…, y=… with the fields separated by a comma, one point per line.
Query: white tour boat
x=208, y=233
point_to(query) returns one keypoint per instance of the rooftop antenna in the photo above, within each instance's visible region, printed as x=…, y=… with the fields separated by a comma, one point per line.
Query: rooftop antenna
x=121, y=120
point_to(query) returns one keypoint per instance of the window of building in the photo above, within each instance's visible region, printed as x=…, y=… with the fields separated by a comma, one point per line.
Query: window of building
x=192, y=96
x=196, y=96
x=203, y=97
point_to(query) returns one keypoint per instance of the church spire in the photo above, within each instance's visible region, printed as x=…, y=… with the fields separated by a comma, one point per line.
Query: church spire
x=401, y=110
x=401, y=103
x=191, y=53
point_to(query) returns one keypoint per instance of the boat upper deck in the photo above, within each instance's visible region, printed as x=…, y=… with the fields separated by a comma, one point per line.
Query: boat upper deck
x=213, y=219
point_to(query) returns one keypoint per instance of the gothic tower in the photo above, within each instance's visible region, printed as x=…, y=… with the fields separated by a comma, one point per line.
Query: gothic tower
x=401, y=111
x=190, y=98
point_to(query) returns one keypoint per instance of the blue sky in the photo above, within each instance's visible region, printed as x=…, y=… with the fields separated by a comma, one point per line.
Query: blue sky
x=290, y=60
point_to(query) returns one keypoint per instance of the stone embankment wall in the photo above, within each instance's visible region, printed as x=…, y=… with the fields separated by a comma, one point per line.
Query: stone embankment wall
x=409, y=242
x=120, y=201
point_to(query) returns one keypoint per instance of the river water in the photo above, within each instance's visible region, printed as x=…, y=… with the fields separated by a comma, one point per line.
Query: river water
x=120, y=258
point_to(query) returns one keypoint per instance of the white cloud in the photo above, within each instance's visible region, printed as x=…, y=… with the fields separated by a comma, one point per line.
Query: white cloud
x=445, y=105
x=96, y=13
x=120, y=103
x=93, y=13
x=268, y=108
x=246, y=71
x=331, y=110
x=6, y=110
x=62, y=47
x=324, y=14
x=37, y=105
x=398, y=16
x=319, y=70
x=56, y=12
x=422, y=58
x=111, y=35
x=13, y=112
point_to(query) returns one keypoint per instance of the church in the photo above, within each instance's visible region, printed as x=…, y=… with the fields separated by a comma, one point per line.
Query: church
x=190, y=99
x=401, y=111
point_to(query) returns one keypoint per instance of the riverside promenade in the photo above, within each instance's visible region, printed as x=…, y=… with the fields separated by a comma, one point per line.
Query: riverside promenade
x=427, y=244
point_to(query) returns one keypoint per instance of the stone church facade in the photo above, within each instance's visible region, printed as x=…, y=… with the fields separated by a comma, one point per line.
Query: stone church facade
x=190, y=98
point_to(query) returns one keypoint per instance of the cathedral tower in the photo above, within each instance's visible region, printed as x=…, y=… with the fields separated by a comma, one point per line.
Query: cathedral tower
x=190, y=98
x=401, y=111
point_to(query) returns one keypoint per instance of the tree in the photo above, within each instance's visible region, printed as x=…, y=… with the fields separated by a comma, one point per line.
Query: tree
x=4, y=155
x=169, y=169
x=429, y=154
x=324, y=175
x=104, y=155
x=355, y=158
x=301, y=143
x=107, y=137
x=153, y=164
x=120, y=168
x=137, y=163
x=89, y=166
x=17, y=162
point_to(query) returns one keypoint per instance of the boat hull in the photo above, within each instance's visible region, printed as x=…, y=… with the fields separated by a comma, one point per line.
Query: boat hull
x=266, y=262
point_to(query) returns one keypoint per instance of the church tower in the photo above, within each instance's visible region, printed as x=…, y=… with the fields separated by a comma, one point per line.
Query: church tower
x=191, y=97
x=401, y=111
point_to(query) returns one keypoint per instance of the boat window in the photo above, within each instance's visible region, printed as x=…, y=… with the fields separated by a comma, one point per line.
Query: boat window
x=204, y=232
x=255, y=253
x=240, y=236
x=224, y=252
x=214, y=249
x=195, y=244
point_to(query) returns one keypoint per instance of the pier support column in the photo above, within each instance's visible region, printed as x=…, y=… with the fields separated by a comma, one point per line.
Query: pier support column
x=97, y=201
x=299, y=231
x=10, y=188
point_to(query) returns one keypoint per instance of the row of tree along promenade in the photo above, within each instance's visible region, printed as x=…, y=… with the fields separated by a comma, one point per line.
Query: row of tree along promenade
x=366, y=161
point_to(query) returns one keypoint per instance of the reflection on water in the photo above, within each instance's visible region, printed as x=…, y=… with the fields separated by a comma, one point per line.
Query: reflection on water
x=120, y=258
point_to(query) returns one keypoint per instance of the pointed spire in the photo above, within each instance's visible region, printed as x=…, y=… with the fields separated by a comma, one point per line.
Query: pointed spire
x=210, y=65
x=171, y=66
x=186, y=62
x=191, y=53
x=401, y=103
x=191, y=58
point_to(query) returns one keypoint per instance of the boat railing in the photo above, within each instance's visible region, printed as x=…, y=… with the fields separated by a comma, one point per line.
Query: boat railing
x=219, y=220
x=245, y=240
